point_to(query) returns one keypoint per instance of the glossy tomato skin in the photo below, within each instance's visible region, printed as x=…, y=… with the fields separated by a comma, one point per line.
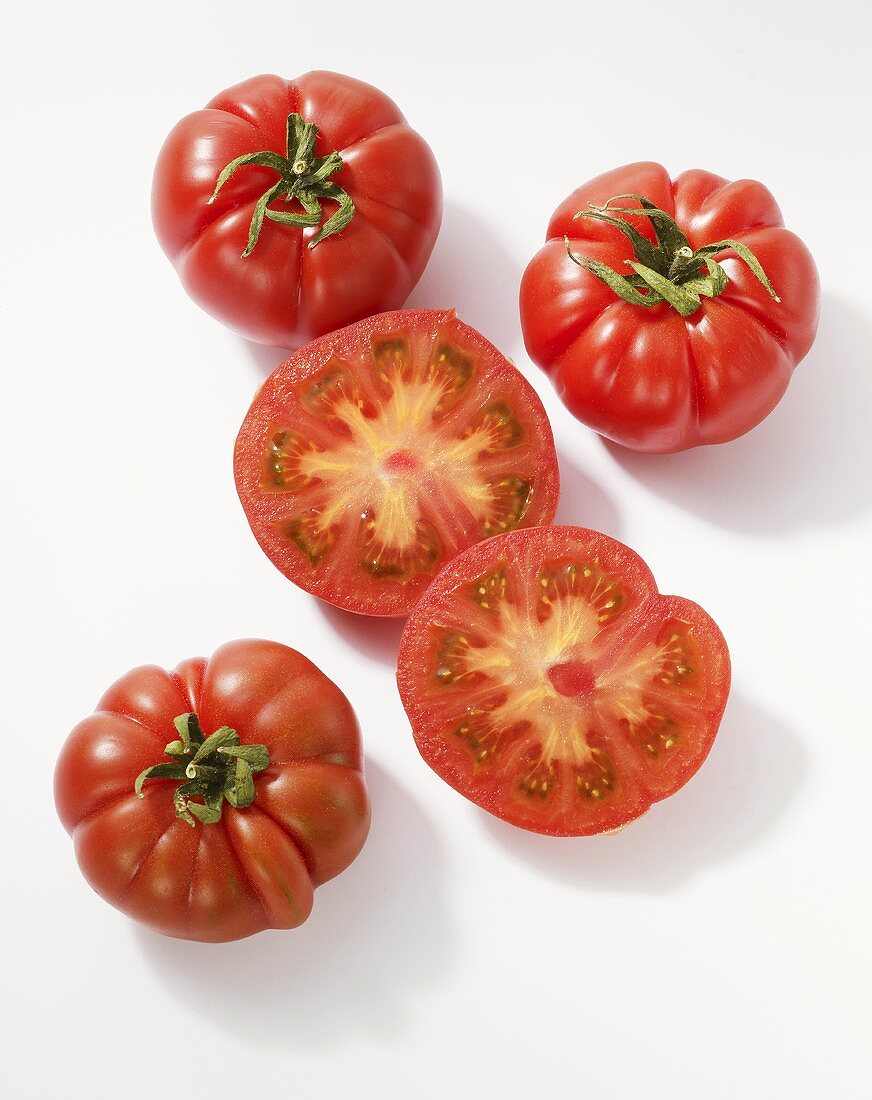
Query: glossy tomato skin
x=257, y=868
x=483, y=717
x=650, y=379
x=348, y=583
x=285, y=293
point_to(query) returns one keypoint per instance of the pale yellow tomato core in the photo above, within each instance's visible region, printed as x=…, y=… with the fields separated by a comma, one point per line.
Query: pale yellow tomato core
x=556, y=687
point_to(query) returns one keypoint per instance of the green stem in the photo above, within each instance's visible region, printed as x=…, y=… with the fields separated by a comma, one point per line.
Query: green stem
x=668, y=270
x=210, y=768
x=303, y=178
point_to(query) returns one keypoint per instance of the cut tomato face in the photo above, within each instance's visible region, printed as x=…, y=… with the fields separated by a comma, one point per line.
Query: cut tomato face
x=374, y=455
x=547, y=680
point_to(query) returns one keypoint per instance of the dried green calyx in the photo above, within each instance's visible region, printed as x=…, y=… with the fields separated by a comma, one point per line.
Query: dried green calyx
x=667, y=269
x=211, y=768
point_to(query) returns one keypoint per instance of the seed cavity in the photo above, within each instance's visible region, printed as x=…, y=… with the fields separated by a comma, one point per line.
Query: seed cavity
x=309, y=536
x=452, y=651
x=587, y=581
x=282, y=463
x=656, y=736
x=388, y=559
x=508, y=499
x=498, y=429
x=595, y=779
x=336, y=387
x=392, y=356
x=490, y=589
x=482, y=735
x=677, y=656
x=452, y=370
x=539, y=778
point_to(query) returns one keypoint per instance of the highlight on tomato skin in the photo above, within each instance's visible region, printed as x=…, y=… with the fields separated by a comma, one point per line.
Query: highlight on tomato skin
x=209, y=802
x=374, y=455
x=548, y=681
x=669, y=313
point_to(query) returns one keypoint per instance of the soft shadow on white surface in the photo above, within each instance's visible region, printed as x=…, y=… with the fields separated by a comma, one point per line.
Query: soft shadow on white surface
x=808, y=463
x=377, y=934
x=756, y=767
x=582, y=502
x=377, y=637
x=264, y=357
x=471, y=271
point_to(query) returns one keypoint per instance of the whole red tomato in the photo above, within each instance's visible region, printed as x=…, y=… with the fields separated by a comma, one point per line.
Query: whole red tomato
x=669, y=313
x=210, y=801
x=292, y=208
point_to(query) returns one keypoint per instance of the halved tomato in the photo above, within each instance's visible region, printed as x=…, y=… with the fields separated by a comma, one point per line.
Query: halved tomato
x=374, y=455
x=547, y=680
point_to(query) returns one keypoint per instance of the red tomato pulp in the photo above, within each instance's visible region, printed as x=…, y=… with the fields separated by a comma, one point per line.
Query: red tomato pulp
x=547, y=680
x=374, y=455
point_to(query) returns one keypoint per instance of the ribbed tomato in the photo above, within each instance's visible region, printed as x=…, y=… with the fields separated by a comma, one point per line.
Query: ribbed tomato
x=210, y=801
x=669, y=313
x=292, y=207
x=547, y=680
x=374, y=455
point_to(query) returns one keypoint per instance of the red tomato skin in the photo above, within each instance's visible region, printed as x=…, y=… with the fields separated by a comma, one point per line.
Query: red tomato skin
x=648, y=378
x=386, y=601
x=449, y=764
x=257, y=868
x=285, y=293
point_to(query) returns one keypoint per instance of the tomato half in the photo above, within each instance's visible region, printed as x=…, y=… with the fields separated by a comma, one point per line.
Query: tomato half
x=210, y=801
x=547, y=680
x=690, y=342
x=292, y=207
x=376, y=454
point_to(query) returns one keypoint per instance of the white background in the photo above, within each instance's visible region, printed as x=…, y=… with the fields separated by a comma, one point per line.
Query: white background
x=717, y=948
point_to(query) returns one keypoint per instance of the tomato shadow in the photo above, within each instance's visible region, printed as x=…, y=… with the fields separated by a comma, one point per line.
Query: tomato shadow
x=756, y=767
x=375, y=637
x=378, y=932
x=582, y=502
x=471, y=271
x=264, y=357
x=808, y=463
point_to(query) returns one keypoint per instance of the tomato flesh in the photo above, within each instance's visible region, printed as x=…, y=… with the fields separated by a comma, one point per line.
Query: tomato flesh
x=547, y=680
x=375, y=455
